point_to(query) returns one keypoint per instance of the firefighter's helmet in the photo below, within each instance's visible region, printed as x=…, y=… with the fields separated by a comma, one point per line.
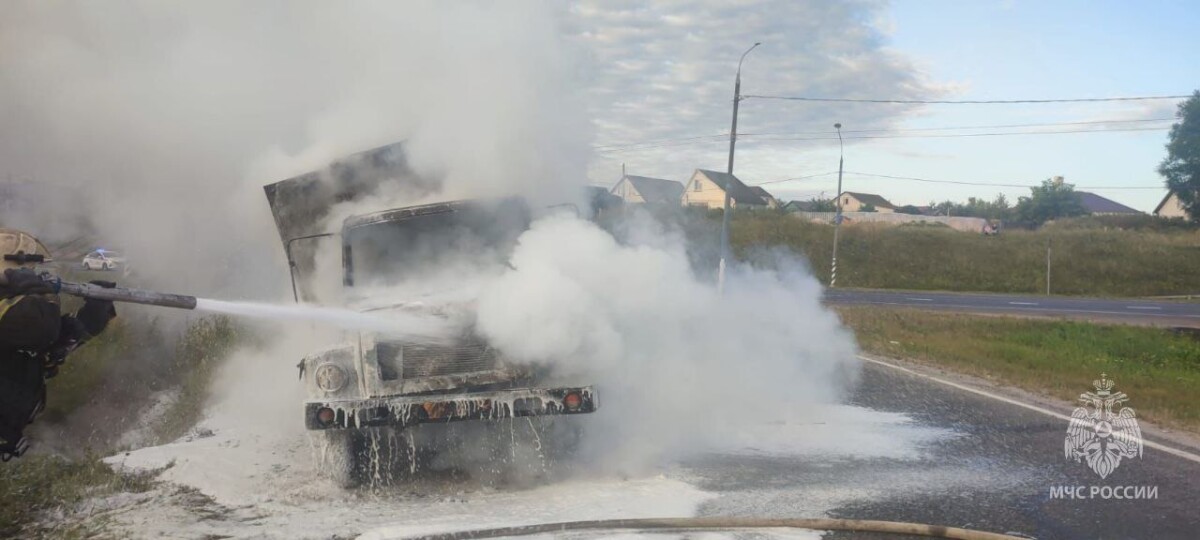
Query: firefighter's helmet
x=21, y=250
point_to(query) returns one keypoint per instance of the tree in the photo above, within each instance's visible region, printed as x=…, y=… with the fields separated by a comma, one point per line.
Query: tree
x=867, y=208
x=909, y=209
x=1181, y=167
x=1052, y=200
x=822, y=205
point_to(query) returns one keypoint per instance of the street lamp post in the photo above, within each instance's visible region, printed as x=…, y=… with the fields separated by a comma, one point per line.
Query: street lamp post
x=837, y=219
x=737, y=97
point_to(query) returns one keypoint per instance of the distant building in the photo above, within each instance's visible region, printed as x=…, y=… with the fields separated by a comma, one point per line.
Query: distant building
x=1100, y=206
x=643, y=189
x=800, y=206
x=1170, y=207
x=707, y=188
x=763, y=194
x=854, y=202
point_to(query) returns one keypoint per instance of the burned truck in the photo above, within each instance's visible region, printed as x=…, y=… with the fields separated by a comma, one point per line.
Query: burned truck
x=374, y=381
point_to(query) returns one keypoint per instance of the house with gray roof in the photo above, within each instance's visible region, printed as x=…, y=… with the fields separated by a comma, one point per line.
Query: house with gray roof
x=643, y=189
x=765, y=195
x=1100, y=206
x=707, y=188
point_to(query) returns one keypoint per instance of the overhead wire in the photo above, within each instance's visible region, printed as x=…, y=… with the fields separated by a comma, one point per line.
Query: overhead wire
x=900, y=133
x=964, y=101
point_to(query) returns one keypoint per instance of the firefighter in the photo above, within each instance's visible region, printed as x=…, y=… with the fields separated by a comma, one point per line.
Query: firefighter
x=35, y=338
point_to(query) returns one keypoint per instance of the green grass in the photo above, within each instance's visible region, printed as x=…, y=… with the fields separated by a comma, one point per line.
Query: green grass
x=85, y=371
x=1085, y=259
x=1157, y=368
x=35, y=484
x=125, y=352
x=203, y=348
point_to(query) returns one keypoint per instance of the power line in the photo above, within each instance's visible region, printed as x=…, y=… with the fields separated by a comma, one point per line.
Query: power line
x=960, y=135
x=964, y=102
x=795, y=178
x=988, y=184
x=959, y=128
x=708, y=139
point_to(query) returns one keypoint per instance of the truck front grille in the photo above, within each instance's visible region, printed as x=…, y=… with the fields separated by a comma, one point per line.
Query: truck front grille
x=415, y=360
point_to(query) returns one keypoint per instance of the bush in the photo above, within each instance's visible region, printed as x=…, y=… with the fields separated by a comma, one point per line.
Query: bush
x=1084, y=261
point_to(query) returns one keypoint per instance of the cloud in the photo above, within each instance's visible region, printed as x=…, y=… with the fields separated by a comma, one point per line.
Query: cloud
x=665, y=70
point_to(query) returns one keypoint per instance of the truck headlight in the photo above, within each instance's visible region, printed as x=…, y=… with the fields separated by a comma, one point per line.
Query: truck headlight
x=330, y=377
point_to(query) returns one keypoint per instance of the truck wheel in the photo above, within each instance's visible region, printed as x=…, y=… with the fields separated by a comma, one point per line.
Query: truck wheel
x=354, y=457
x=342, y=455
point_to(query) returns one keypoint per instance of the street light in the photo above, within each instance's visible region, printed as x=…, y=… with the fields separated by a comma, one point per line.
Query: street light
x=837, y=219
x=737, y=97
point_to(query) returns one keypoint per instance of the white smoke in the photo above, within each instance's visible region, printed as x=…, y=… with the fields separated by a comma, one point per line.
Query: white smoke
x=165, y=120
x=168, y=118
x=676, y=364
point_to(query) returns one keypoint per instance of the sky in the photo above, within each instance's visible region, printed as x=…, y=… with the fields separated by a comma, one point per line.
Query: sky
x=665, y=71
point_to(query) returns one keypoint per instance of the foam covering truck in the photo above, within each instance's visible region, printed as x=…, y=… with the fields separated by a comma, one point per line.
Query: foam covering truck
x=372, y=380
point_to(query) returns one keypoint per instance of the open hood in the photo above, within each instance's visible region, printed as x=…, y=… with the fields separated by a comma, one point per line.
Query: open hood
x=300, y=204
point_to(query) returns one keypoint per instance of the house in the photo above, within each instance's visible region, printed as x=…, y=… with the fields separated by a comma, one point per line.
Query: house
x=643, y=189
x=763, y=194
x=855, y=202
x=1100, y=206
x=707, y=188
x=799, y=206
x=1170, y=207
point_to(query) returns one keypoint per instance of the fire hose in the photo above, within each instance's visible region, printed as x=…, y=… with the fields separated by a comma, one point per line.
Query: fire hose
x=816, y=524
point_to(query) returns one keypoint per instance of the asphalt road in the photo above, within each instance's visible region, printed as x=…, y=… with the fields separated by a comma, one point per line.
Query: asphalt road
x=901, y=447
x=983, y=464
x=1131, y=310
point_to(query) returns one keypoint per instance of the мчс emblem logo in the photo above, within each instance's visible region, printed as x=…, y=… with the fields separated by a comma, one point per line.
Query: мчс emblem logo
x=1099, y=435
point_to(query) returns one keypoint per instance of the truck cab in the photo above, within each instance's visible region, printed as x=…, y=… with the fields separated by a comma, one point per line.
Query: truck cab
x=417, y=259
x=378, y=380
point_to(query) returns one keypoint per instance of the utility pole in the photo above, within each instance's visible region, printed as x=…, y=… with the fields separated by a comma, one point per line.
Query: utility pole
x=737, y=97
x=1047, y=266
x=837, y=219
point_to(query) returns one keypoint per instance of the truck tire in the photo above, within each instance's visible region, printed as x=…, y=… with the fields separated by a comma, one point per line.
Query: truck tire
x=342, y=455
x=357, y=457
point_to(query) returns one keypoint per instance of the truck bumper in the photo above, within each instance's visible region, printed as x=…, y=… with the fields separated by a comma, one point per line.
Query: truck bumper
x=403, y=411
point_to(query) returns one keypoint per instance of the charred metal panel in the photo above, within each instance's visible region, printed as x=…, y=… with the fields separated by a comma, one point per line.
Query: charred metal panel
x=302, y=204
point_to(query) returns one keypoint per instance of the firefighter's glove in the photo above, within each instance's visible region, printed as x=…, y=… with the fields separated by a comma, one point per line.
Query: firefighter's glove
x=95, y=314
x=11, y=450
x=22, y=281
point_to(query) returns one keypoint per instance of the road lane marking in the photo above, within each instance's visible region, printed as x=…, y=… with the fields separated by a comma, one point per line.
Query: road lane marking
x=1157, y=446
x=1050, y=311
x=1024, y=303
x=1143, y=307
x=920, y=299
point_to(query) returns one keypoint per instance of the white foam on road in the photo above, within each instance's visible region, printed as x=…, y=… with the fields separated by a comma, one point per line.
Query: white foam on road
x=265, y=485
x=572, y=501
x=836, y=432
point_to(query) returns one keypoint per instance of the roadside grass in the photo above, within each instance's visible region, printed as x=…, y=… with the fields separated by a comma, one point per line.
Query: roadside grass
x=85, y=371
x=198, y=354
x=1086, y=259
x=102, y=369
x=1157, y=368
x=35, y=484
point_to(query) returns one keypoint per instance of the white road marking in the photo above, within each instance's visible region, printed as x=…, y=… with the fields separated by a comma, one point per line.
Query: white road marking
x=1157, y=446
x=1052, y=311
x=1143, y=307
x=1024, y=303
x=920, y=299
